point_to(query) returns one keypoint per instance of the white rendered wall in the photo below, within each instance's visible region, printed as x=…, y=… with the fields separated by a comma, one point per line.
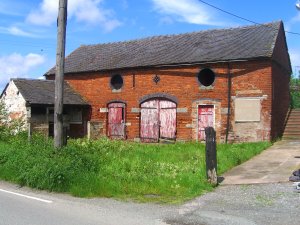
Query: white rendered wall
x=14, y=102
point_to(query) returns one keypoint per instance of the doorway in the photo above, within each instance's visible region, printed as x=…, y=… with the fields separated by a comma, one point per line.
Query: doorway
x=116, y=120
x=205, y=119
x=158, y=120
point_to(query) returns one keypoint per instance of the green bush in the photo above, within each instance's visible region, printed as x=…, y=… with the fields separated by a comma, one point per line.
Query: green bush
x=37, y=164
x=3, y=122
x=9, y=127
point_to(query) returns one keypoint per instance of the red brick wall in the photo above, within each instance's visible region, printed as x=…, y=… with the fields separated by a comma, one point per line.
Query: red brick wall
x=281, y=71
x=249, y=79
x=281, y=100
x=280, y=53
x=253, y=80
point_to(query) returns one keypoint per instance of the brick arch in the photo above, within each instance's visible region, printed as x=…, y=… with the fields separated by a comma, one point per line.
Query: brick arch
x=159, y=95
x=117, y=101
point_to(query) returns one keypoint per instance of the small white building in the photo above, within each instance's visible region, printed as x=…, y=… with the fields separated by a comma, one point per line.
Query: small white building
x=33, y=101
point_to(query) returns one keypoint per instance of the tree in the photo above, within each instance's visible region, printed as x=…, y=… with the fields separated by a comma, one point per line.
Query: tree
x=295, y=92
x=4, y=131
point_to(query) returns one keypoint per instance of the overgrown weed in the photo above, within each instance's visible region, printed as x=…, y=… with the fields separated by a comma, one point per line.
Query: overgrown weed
x=119, y=169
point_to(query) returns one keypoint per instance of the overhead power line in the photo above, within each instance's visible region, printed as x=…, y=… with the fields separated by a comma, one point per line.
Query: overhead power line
x=239, y=17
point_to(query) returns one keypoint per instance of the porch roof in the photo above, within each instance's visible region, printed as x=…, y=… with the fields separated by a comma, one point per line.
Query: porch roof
x=42, y=92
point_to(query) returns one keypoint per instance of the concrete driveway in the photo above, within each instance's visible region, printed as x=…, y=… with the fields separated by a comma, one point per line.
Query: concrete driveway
x=274, y=165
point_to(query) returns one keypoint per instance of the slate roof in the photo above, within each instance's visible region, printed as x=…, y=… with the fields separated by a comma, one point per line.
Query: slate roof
x=43, y=92
x=240, y=43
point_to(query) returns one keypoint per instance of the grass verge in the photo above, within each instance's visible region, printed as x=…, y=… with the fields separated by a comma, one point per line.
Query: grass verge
x=118, y=169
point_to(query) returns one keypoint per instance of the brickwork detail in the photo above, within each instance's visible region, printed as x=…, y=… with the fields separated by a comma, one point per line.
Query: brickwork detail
x=249, y=79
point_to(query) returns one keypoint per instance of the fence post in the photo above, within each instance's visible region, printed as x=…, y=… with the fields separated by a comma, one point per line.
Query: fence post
x=211, y=155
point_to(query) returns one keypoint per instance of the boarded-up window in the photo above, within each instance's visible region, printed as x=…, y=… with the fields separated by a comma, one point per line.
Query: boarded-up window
x=247, y=109
x=94, y=129
x=75, y=116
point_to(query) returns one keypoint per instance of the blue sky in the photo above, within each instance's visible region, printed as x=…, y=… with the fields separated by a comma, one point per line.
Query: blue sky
x=28, y=28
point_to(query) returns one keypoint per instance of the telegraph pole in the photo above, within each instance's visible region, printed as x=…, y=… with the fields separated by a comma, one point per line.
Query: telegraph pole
x=59, y=74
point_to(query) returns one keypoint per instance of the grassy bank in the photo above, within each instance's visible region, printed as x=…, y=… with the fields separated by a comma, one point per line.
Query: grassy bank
x=104, y=168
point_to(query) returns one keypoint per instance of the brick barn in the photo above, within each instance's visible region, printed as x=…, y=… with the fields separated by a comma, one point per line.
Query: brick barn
x=171, y=87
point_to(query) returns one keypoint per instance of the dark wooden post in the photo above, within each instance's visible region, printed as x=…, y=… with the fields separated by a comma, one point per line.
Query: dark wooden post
x=29, y=127
x=211, y=155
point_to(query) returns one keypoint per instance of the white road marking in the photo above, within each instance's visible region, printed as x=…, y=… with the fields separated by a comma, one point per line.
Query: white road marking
x=26, y=196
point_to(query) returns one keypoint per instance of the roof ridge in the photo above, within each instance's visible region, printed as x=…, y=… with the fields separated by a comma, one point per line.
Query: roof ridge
x=233, y=43
x=28, y=79
x=182, y=34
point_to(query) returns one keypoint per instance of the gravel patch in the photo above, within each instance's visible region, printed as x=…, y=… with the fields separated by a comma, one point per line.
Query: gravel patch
x=258, y=204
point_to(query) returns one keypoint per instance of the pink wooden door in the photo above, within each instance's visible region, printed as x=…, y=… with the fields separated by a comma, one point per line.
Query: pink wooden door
x=205, y=119
x=167, y=116
x=158, y=120
x=116, y=120
x=149, y=129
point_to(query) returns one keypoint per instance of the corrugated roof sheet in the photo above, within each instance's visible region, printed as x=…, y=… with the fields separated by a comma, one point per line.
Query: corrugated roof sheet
x=205, y=46
x=43, y=92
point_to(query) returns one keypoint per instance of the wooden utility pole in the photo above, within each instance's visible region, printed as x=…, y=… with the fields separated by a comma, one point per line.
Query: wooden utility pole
x=59, y=74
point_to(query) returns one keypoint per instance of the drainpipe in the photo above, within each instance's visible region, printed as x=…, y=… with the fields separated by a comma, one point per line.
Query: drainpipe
x=228, y=103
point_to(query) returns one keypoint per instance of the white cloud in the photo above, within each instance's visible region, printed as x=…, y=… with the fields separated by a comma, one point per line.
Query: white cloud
x=16, y=31
x=190, y=11
x=10, y=8
x=17, y=65
x=296, y=19
x=45, y=15
x=111, y=25
x=86, y=11
x=295, y=59
x=124, y=4
x=166, y=20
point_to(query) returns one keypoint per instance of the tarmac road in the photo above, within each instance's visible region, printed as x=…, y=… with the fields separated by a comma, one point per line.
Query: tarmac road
x=22, y=206
x=259, y=204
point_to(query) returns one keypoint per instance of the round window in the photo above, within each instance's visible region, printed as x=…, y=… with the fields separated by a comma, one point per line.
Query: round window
x=206, y=77
x=116, y=81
